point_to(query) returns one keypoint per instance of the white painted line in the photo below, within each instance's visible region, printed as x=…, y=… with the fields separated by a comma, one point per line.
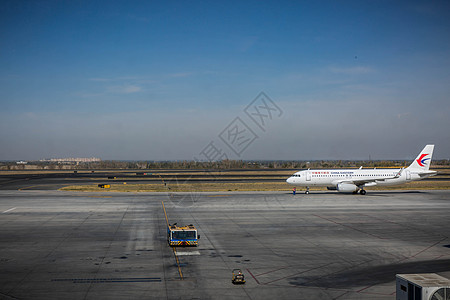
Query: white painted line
x=188, y=253
x=8, y=210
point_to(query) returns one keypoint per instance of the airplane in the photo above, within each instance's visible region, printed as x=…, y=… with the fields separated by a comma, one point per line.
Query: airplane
x=354, y=180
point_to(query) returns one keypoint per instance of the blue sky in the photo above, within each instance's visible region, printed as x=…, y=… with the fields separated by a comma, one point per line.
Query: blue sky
x=159, y=81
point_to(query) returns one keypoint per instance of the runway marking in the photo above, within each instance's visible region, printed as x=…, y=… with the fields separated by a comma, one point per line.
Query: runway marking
x=351, y=227
x=165, y=214
x=8, y=210
x=257, y=281
x=278, y=279
x=109, y=280
x=273, y=271
x=188, y=253
x=298, y=273
x=178, y=262
x=427, y=248
x=173, y=248
x=359, y=291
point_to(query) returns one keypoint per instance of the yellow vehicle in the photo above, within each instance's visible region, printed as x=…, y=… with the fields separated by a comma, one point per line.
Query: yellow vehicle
x=104, y=186
x=182, y=236
x=237, y=277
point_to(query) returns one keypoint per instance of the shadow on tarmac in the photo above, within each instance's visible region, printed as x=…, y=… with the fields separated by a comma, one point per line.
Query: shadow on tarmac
x=369, y=276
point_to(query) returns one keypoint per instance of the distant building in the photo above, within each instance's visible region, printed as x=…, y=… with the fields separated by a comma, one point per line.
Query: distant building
x=21, y=162
x=72, y=160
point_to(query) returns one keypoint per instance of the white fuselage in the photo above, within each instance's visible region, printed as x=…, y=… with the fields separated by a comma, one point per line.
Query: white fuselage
x=332, y=178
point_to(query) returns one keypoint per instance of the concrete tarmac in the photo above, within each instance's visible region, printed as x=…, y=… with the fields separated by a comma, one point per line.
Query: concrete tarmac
x=326, y=245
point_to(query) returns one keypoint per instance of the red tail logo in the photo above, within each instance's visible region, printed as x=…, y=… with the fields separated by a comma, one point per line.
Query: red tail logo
x=421, y=160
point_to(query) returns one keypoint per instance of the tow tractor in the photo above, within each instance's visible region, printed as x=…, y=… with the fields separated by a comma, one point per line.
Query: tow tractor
x=182, y=236
x=237, y=277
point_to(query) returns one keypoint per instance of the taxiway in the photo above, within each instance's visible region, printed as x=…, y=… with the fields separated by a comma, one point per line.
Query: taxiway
x=66, y=245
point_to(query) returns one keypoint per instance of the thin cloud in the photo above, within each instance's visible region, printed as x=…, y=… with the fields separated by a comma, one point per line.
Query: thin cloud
x=247, y=43
x=89, y=95
x=100, y=79
x=351, y=70
x=124, y=89
x=116, y=85
x=116, y=89
x=403, y=115
x=181, y=74
x=122, y=78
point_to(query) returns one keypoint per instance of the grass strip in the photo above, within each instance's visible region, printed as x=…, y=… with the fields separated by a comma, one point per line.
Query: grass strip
x=224, y=187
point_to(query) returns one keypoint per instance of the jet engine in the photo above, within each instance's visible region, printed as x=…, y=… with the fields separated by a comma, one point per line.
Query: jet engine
x=347, y=188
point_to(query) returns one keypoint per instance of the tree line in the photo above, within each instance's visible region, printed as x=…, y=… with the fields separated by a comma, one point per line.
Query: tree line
x=219, y=165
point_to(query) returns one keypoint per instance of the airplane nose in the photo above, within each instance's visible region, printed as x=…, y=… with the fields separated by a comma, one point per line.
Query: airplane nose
x=289, y=180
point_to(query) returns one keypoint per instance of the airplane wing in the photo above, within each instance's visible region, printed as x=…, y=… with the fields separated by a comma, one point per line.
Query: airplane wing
x=367, y=181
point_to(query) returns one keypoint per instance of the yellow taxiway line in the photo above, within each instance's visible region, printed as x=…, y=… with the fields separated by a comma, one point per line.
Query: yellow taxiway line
x=173, y=248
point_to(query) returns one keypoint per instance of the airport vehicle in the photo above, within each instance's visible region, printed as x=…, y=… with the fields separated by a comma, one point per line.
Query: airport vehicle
x=104, y=186
x=237, y=277
x=182, y=236
x=354, y=180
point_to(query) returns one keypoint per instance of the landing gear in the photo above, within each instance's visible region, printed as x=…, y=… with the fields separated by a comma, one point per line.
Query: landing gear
x=307, y=190
x=362, y=192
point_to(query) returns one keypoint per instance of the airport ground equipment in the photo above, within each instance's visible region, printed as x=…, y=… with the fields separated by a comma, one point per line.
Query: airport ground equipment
x=182, y=236
x=237, y=277
x=104, y=186
x=428, y=286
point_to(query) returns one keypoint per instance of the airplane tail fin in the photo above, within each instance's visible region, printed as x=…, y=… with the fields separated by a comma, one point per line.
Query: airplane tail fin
x=423, y=160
